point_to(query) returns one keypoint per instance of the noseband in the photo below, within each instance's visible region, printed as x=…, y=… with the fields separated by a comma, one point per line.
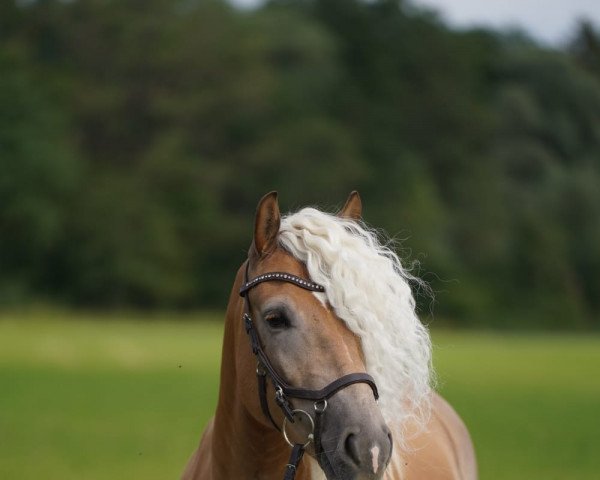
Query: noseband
x=284, y=391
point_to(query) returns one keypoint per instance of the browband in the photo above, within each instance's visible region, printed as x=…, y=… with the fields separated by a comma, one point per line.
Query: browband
x=281, y=277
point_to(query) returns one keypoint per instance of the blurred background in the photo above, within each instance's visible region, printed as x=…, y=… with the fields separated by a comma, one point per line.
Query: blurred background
x=136, y=137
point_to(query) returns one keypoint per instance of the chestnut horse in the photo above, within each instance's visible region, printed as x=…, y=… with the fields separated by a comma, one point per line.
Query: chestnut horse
x=326, y=312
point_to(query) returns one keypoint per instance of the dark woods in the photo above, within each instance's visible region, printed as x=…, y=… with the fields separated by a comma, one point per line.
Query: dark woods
x=137, y=136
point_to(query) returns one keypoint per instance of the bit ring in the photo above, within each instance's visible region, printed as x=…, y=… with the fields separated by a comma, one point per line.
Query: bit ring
x=309, y=437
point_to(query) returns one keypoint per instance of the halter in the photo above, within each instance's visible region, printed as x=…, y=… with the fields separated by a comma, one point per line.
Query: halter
x=284, y=391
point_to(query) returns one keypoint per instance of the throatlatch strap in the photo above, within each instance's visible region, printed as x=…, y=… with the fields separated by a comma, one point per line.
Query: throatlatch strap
x=292, y=466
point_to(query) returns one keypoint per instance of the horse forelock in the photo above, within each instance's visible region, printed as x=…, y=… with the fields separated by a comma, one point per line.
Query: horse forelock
x=368, y=288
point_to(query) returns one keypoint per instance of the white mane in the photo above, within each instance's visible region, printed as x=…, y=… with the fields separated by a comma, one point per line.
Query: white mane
x=368, y=288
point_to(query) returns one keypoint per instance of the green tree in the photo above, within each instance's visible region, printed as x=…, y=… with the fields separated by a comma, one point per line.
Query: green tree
x=39, y=174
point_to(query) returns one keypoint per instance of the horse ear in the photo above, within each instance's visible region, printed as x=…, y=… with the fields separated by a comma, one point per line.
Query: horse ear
x=353, y=207
x=266, y=223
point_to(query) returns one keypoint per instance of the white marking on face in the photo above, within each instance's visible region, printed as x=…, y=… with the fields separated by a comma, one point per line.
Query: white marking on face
x=375, y=458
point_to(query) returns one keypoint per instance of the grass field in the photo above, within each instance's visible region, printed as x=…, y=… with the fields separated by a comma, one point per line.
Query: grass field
x=111, y=397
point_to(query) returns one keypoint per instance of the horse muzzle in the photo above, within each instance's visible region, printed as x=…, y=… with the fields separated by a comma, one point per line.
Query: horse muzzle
x=356, y=445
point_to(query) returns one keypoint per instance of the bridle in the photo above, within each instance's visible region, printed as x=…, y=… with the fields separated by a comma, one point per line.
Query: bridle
x=284, y=391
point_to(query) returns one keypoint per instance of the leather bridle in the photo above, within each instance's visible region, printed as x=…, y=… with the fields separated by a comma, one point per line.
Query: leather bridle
x=284, y=391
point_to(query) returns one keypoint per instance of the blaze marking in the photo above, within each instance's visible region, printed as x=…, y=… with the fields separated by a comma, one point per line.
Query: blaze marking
x=375, y=458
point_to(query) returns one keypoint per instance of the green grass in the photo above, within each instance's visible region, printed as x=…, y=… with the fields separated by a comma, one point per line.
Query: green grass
x=104, y=398
x=532, y=402
x=110, y=397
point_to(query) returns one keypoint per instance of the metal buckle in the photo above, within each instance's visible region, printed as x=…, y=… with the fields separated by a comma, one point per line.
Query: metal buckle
x=310, y=437
x=321, y=406
x=247, y=322
x=283, y=403
x=279, y=392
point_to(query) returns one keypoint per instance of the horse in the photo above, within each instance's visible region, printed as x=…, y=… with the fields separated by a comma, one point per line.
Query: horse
x=323, y=353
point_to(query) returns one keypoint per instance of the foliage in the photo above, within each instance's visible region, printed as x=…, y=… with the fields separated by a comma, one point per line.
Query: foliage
x=136, y=138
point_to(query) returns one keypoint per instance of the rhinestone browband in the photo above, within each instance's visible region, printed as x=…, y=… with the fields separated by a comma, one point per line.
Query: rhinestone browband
x=281, y=277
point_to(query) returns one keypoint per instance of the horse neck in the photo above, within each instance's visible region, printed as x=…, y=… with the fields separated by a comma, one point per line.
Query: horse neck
x=244, y=445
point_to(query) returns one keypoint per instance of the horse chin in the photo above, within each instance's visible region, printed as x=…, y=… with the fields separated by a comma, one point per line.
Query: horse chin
x=327, y=467
x=339, y=470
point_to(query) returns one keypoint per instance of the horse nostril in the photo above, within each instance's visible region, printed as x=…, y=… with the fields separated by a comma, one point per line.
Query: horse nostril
x=352, y=450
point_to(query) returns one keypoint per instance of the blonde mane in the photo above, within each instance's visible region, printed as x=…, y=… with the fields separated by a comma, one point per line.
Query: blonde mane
x=368, y=289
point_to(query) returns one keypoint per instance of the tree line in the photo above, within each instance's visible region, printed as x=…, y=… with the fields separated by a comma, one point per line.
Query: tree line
x=137, y=136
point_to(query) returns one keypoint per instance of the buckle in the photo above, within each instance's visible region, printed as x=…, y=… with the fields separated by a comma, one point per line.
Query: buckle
x=320, y=406
x=283, y=403
x=247, y=322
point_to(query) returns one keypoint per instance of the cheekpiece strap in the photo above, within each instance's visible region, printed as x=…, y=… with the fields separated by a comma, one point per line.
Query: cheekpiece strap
x=292, y=466
x=281, y=277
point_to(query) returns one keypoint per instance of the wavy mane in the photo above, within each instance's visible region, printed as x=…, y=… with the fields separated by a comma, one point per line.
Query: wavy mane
x=369, y=290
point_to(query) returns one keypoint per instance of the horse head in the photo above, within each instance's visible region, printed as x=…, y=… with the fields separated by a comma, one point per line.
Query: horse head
x=304, y=345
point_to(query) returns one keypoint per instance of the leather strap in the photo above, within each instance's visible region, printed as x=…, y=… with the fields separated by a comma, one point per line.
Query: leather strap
x=292, y=465
x=262, y=395
x=318, y=428
x=334, y=387
x=280, y=277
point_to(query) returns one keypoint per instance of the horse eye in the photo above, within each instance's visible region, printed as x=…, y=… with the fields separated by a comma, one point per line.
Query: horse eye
x=277, y=320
